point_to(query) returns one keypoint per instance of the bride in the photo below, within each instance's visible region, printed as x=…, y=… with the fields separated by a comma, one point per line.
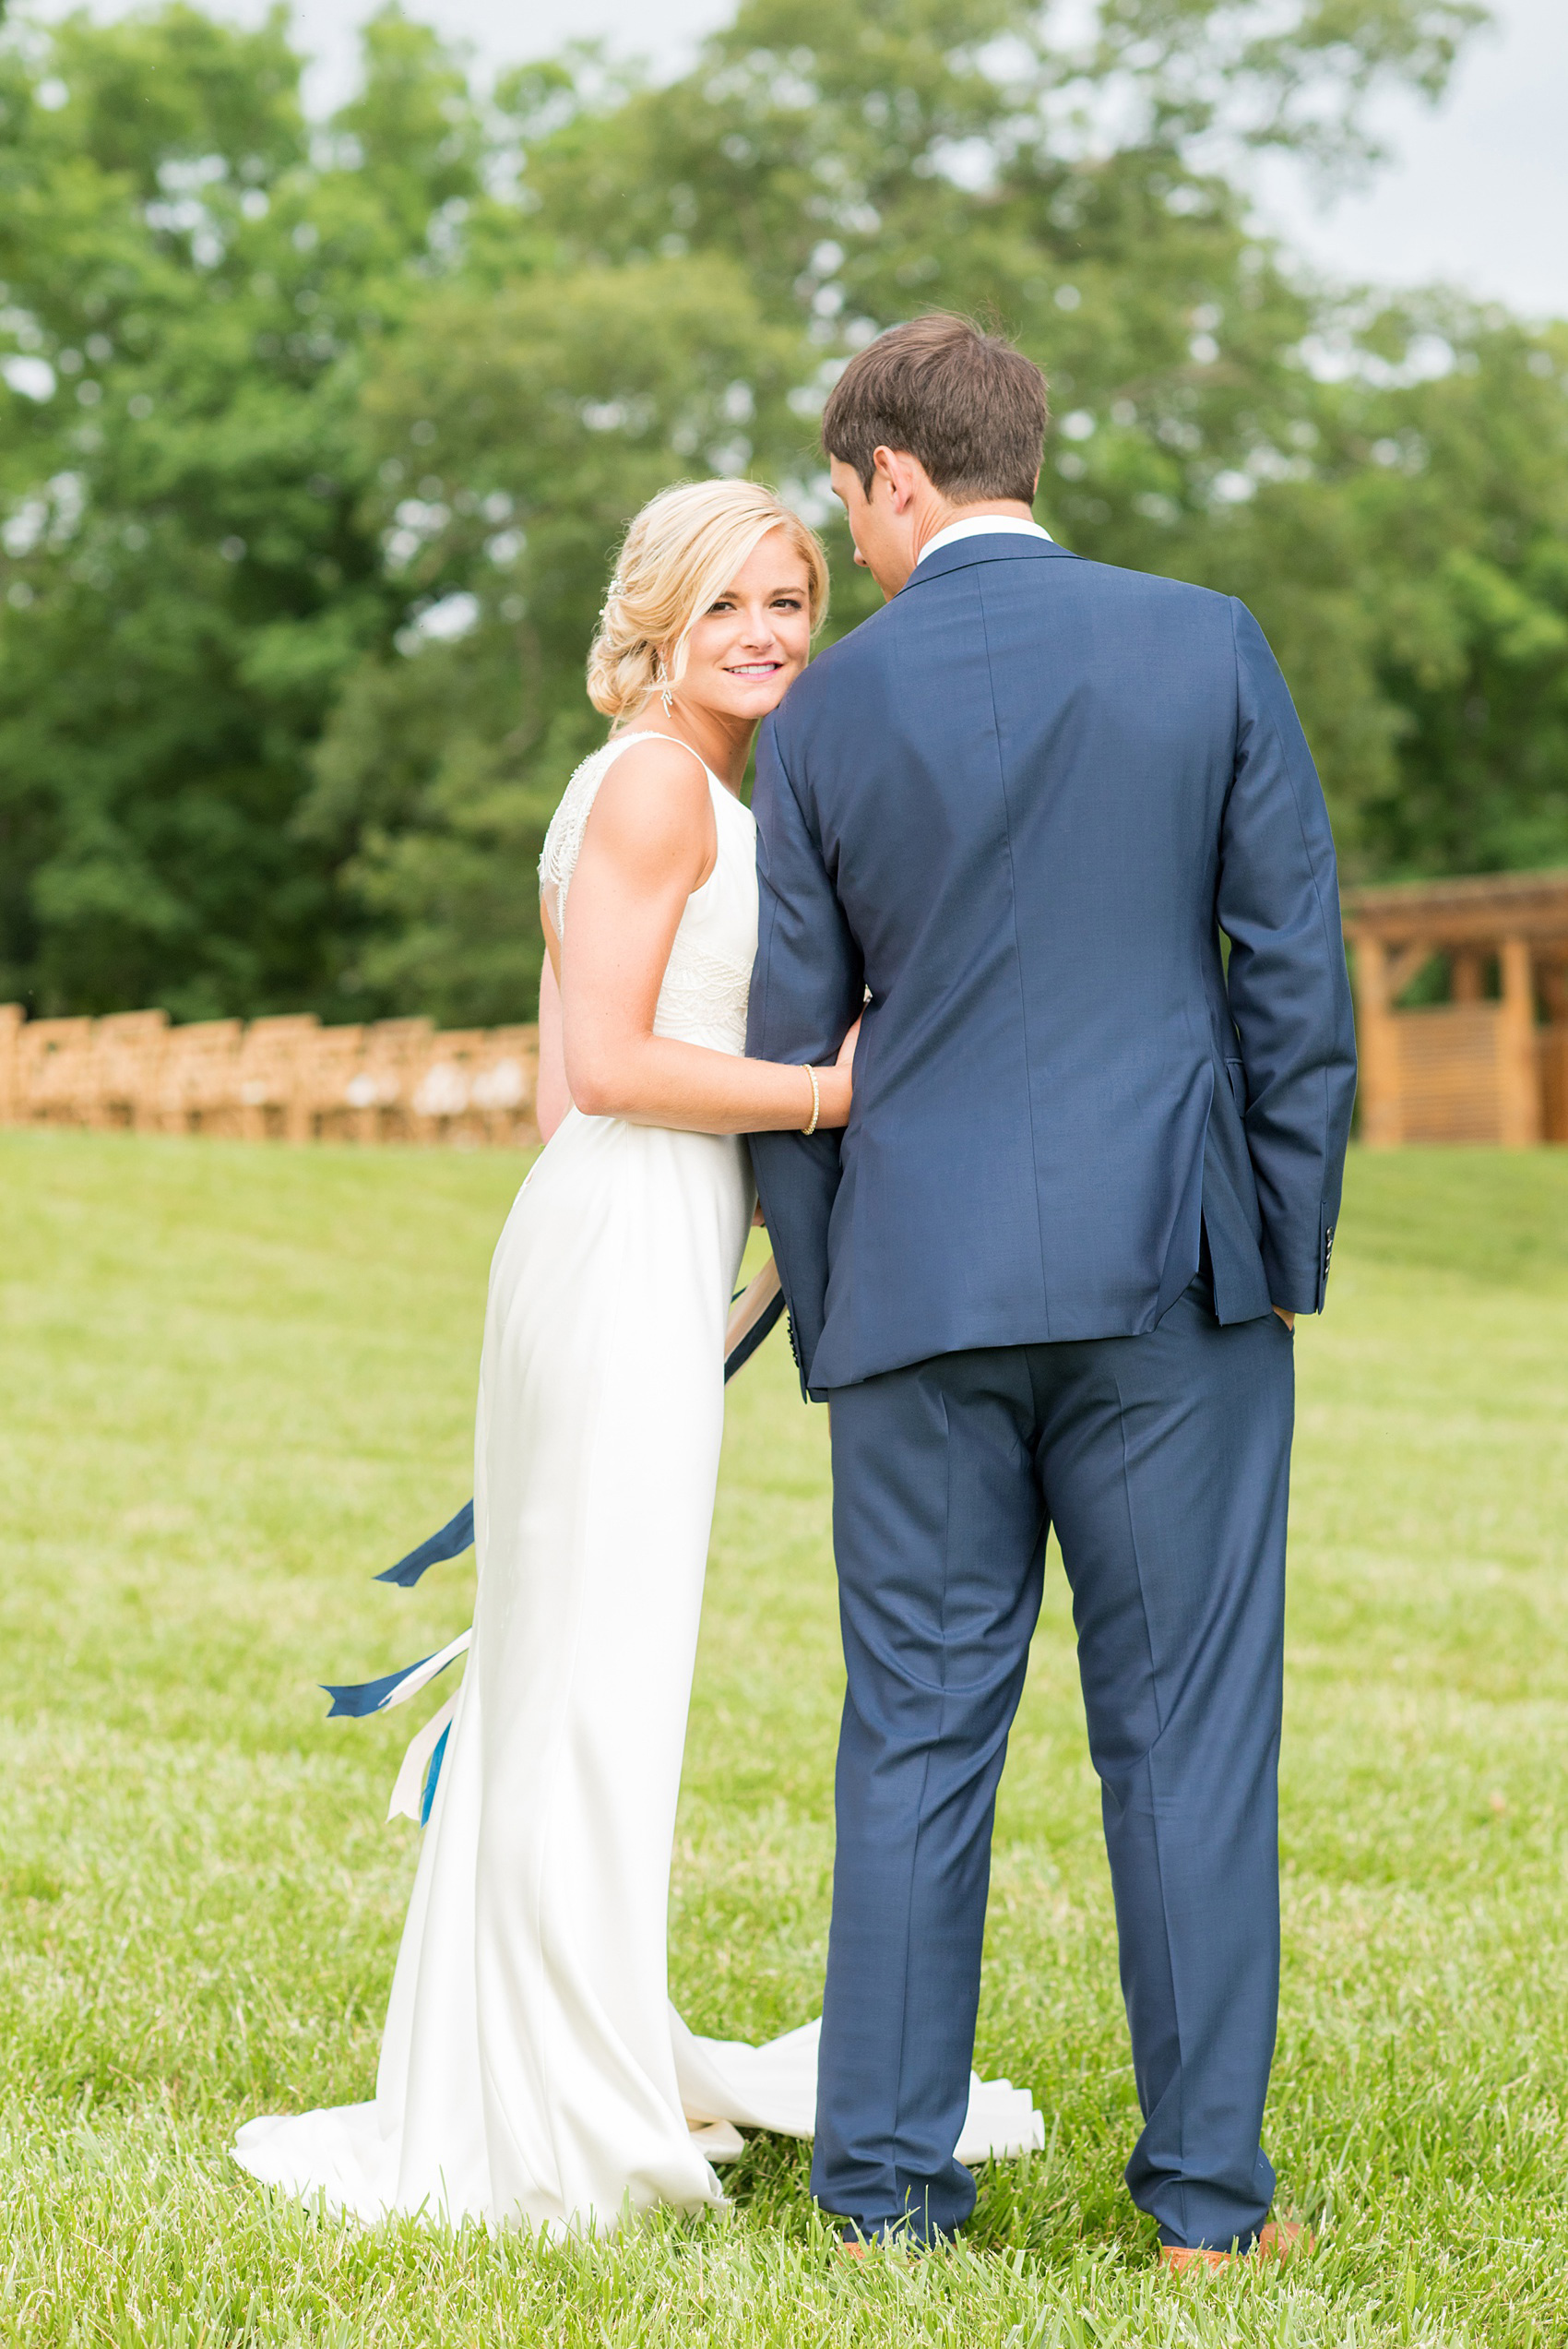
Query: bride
x=532, y=2068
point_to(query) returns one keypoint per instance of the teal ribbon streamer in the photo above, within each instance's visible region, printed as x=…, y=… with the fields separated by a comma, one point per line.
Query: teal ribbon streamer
x=432, y=1774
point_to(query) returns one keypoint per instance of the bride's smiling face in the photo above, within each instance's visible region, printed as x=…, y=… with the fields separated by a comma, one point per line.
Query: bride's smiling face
x=753, y=641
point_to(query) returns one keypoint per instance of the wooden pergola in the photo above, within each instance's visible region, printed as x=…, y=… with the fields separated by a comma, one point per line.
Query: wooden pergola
x=1490, y=1063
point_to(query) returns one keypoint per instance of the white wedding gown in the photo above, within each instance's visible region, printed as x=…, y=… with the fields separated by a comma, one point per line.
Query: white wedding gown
x=531, y=2066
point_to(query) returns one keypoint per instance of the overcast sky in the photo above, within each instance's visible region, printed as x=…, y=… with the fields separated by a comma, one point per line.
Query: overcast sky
x=1477, y=194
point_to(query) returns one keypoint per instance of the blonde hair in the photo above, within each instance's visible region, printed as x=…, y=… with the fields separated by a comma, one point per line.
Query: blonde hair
x=681, y=553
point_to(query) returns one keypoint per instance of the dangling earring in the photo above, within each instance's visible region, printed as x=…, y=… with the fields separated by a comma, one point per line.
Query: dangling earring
x=662, y=679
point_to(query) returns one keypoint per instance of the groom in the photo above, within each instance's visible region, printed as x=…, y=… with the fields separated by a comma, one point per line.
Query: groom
x=1047, y=1276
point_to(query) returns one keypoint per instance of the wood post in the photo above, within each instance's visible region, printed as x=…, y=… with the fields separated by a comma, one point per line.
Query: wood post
x=10, y=1028
x=1466, y=975
x=1554, y=987
x=1518, y=1077
x=1377, y=1044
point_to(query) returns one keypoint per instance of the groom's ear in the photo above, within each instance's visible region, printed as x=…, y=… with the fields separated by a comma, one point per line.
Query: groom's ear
x=904, y=474
x=883, y=464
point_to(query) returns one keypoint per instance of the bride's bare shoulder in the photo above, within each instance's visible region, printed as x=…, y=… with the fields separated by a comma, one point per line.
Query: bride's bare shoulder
x=652, y=807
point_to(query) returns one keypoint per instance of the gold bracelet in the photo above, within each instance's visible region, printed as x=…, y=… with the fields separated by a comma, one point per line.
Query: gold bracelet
x=816, y=1101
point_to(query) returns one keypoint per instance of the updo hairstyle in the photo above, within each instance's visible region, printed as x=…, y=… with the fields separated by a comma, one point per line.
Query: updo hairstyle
x=679, y=555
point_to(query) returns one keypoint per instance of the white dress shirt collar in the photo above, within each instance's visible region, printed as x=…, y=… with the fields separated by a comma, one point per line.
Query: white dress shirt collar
x=983, y=526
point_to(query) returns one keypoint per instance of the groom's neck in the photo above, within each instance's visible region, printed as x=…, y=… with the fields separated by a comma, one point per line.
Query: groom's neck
x=941, y=513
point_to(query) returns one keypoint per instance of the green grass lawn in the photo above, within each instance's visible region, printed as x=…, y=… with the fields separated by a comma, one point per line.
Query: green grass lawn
x=237, y=1382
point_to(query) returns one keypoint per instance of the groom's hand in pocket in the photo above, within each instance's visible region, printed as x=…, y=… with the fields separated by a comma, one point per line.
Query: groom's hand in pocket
x=1288, y=1318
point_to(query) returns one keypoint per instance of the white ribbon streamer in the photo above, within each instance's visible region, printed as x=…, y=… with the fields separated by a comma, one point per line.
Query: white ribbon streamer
x=408, y=1786
x=423, y=1674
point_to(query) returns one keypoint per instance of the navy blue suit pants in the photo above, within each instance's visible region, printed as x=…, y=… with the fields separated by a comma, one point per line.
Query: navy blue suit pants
x=1163, y=1462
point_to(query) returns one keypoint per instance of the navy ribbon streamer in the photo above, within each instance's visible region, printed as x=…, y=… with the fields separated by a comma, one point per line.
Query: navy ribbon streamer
x=747, y=1343
x=361, y=1697
x=395, y=1688
x=456, y=1537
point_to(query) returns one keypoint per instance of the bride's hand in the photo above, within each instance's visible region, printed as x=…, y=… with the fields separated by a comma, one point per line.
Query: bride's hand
x=838, y=1084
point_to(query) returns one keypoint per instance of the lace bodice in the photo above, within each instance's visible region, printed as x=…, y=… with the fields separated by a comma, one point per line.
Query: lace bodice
x=707, y=979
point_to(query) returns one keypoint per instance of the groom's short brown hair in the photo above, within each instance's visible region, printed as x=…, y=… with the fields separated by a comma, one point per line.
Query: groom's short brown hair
x=967, y=403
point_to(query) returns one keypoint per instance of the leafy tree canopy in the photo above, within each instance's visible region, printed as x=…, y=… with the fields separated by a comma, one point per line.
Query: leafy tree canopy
x=319, y=441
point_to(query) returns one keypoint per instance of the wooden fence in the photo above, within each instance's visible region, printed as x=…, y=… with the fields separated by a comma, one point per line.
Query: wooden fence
x=287, y=1078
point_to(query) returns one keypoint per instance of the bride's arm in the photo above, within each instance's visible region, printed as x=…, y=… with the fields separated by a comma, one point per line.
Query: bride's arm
x=649, y=843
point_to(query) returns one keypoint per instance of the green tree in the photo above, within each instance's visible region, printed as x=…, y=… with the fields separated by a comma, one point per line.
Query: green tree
x=1456, y=484
x=190, y=295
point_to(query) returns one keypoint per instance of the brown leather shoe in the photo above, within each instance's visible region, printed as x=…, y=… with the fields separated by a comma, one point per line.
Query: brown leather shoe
x=1277, y=2239
x=857, y=2246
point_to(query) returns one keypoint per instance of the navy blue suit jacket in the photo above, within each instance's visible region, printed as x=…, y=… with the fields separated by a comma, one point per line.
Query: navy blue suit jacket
x=1020, y=805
